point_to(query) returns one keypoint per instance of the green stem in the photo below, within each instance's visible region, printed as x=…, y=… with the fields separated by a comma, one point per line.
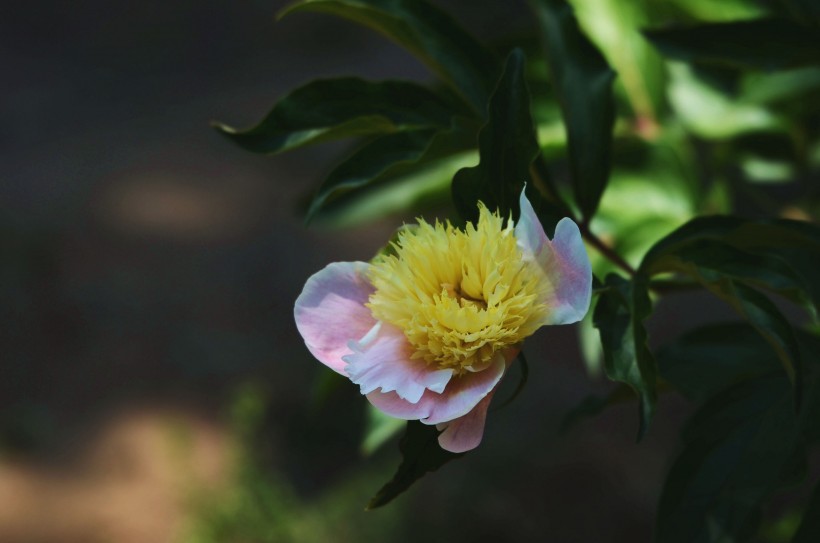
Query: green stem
x=540, y=175
x=607, y=251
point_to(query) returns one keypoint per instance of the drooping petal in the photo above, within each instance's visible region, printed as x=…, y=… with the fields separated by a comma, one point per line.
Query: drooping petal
x=382, y=361
x=572, y=273
x=564, y=261
x=464, y=433
x=330, y=311
x=460, y=396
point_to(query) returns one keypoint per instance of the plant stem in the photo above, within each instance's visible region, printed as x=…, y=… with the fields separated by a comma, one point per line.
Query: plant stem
x=605, y=249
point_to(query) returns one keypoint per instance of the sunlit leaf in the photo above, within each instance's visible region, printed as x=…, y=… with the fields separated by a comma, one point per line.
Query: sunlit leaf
x=662, y=181
x=330, y=109
x=412, y=193
x=426, y=32
x=771, y=87
x=614, y=26
x=582, y=81
x=393, y=156
x=709, y=10
x=765, y=44
x=710, y=113
x=371, y=161
x=619, y=316
x=420, y=454
x=507, y=146
x=379, y=428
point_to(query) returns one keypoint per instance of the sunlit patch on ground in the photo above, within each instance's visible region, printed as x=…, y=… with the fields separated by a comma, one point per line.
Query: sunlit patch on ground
x=133, y=481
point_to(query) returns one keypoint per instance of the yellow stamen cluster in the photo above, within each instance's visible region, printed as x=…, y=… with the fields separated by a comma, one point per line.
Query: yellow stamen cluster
x=460, y=296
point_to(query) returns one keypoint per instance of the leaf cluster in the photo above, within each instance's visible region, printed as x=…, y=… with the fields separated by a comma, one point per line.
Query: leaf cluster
x=684, y=139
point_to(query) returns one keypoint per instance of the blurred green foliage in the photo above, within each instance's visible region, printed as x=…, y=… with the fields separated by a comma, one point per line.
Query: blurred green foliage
x=687, y=173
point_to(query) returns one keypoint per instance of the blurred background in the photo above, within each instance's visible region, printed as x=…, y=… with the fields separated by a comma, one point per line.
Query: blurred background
x=153, y=385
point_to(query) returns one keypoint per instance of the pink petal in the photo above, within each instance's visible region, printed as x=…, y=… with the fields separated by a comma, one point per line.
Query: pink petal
x=382, y=360
x=330, y=311
x=464, y=433
x=564, y=260
x=460, y=396
x=528, y=230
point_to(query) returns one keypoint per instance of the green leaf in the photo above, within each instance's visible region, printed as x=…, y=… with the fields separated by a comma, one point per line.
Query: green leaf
x=593, y=405
x=709, y=10
x=725, y=270
x=420, y=454
x=329, y=109
x=426, y=186
x=737, y=448
x=379, y=428
x=390, y=157
x=522, y=381
x=783, y=86
x=809, y=530
x=370, y=162
x=744, y=442
x=709, y=260
x=614, y=26
x=506, y=145
x=619, y=316
x=770, y=323
x=710, y=113
x=804, y=11
x=583, y=84
x=766, y=44
x=709, y=359
x=794, y=244
x=428, y=33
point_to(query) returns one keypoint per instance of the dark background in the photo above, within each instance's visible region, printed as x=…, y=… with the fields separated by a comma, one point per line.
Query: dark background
x=147, y=276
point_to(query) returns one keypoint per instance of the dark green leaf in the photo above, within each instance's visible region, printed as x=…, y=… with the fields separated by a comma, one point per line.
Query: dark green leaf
x=619, y=317
x=711, y=259
x=769, y=322
x=778, y=254
x=766, y=44
x=522, y=381
x=727, y=254
x=507, y=146
x=737, y=448
x=593, y=405
x=712, y=358
x=583, y=85
x=420, y=454
x=809, y=530
x=745, y=441
x=426, y=32
x=804, y=11
x=330, y=109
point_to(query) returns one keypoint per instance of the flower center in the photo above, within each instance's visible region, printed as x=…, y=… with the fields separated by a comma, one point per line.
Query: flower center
x=460, y=296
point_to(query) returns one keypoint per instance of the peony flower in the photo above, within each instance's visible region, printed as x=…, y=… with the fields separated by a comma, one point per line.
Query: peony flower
x=428, y=331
